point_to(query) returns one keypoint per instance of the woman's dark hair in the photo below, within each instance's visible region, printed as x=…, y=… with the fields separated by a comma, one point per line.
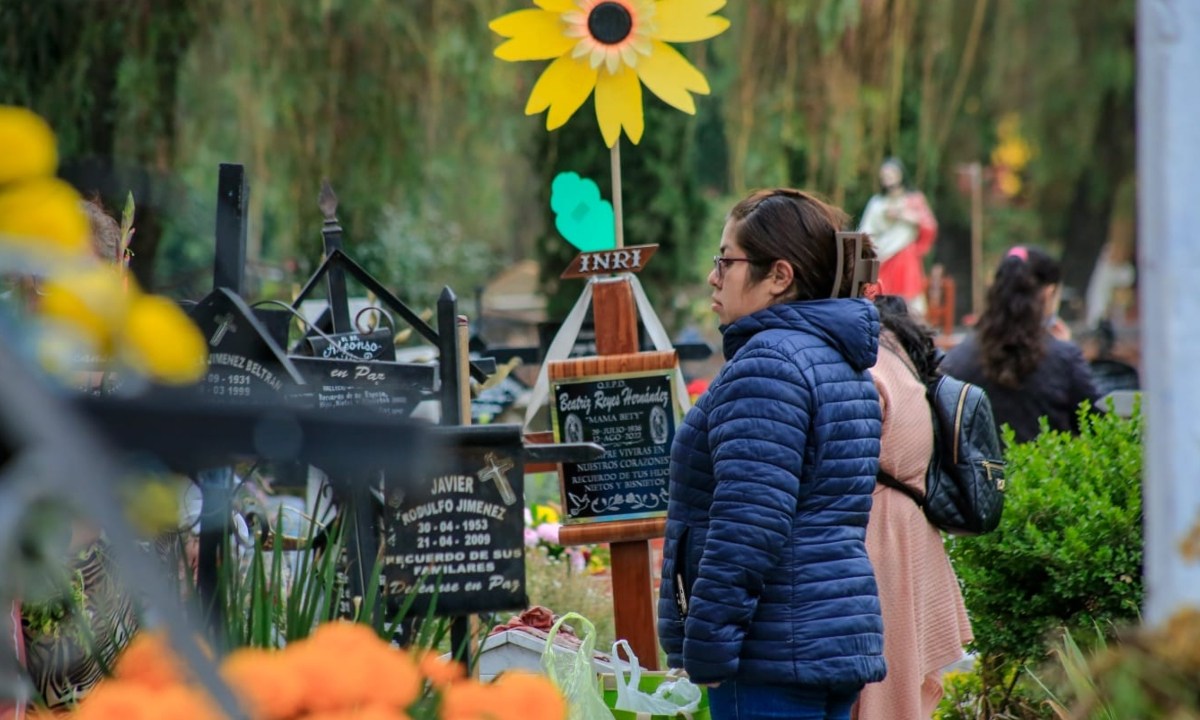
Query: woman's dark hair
x=916, y=338
x=786, y=224
x=1012, y=330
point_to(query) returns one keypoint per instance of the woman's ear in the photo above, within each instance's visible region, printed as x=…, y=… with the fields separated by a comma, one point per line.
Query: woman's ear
x=781, y=277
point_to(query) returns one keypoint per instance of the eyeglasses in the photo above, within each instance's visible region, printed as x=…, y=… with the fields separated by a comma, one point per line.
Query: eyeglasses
x=722, y=263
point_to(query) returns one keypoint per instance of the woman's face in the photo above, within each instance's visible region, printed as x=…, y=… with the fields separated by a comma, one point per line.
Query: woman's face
x=1051, y=300
x=889, y=176
x=734, y=295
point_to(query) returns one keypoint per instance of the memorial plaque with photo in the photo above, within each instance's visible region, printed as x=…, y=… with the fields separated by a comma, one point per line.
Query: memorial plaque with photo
x=458, y=541
x=633, y=416
x=245, y=365
x=393, y=388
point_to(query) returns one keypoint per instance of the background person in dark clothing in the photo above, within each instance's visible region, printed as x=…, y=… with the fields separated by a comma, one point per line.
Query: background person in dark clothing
x=1021, y=352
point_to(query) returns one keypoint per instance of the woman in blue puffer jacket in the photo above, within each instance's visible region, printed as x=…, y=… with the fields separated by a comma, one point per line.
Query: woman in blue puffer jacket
x=767, y=593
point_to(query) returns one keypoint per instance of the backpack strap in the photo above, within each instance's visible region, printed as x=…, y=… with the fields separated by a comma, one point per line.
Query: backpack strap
x=885, y=479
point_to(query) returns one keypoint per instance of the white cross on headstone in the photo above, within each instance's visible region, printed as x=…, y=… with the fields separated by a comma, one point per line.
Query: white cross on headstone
x=226, y=326
x=497, y=472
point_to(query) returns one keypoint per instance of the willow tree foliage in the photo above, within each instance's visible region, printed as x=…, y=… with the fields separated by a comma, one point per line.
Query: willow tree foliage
x=443, y=179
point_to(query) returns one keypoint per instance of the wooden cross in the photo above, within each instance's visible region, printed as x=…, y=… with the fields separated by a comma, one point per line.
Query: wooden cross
x=617, y=345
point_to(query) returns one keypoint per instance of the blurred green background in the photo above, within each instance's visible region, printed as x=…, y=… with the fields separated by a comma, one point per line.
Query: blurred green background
x=444, y=180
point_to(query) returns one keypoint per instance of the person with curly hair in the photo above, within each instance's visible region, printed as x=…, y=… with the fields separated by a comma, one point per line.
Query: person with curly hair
x=925, y=624
x=1021, y=351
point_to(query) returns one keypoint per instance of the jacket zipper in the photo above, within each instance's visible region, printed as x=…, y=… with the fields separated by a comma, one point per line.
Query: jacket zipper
x=962, y=397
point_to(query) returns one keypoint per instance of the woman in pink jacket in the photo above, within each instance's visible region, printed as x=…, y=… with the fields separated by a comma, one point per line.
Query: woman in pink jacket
x=925, y=624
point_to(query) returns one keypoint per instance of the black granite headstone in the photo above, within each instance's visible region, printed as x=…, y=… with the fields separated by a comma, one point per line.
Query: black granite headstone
x=633, y=417
x=457, y=541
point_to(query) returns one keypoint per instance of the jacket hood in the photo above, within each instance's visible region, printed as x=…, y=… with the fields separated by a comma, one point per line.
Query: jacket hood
x=849, y=326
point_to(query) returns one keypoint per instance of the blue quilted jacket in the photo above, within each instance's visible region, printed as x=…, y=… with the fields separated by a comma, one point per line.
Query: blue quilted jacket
x=765, y=571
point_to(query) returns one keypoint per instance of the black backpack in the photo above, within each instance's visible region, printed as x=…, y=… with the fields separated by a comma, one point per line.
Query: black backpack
x=965, y=479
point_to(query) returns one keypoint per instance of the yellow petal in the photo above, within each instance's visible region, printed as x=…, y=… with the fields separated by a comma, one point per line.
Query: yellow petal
x=557, y=6
x=162, y=342
x=563, y=87
x=619, y=105
x=536, y=35
x=689, y=20
x=670, y=76
x=28, y=143
x=43, y=214
x=91, y=301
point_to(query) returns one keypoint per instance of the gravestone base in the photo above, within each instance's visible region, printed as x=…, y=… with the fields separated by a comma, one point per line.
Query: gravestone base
x=522, y=650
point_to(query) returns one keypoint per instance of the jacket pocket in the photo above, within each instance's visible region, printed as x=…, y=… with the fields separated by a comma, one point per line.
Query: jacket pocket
x=680, y=579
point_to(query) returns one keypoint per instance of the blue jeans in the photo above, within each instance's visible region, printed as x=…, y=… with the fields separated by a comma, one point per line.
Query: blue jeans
x=732, y=700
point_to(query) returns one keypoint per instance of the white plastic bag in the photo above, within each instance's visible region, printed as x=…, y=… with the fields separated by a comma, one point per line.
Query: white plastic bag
x=573, y=673
x=673, y=696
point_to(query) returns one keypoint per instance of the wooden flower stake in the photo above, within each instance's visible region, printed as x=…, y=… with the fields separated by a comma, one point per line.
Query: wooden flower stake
x=618, y=213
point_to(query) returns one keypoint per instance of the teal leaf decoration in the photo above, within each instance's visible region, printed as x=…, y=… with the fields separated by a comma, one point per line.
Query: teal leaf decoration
x=581, y=216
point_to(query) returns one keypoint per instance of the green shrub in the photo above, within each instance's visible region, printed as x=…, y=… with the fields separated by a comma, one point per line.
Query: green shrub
x=1068, y=552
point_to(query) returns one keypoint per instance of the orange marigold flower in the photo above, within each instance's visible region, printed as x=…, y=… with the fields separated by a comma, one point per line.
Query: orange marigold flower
x=116, y=700
x=333, y=681
x=266, y=681
x=148, y=661
x=370, y=712
x=440, y=672
x=341, y=635
x=521, y=695
x=366, y=669
x=468, y=701
x=176, y=703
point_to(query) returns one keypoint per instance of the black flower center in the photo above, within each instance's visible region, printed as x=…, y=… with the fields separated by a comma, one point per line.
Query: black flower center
x=610, y=22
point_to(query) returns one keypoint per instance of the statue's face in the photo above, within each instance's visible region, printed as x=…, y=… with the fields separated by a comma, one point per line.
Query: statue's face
x=889, y=176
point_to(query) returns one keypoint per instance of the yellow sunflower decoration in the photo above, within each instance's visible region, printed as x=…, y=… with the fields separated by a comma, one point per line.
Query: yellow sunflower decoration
x=612, y=47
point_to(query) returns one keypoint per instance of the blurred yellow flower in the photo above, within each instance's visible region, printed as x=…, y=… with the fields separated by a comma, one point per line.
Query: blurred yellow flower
x=1009, y=183
x=1014, y=154
x=1008, y=126
x=43, y=214
x=612, y=47
x=160, y=340
x=544, y=514
x=27, y=147
x=91, y=301
x=152, y=505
